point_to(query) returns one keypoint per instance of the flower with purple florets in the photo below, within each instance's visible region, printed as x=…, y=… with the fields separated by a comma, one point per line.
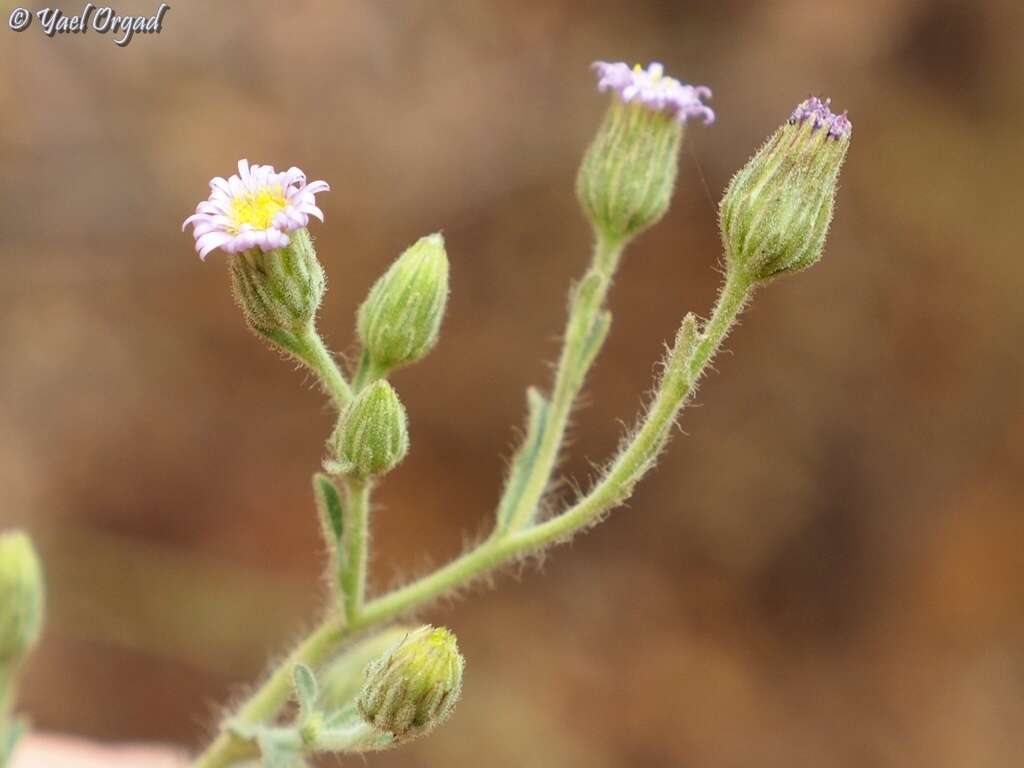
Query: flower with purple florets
x=820, y=115
x=653, y=89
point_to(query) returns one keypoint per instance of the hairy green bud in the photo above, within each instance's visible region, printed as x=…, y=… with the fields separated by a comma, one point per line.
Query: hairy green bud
x=372, y=435
x=776, y=212
x=414, y=686
x=400, y=319
x=21, y=597
x=626, y=180
x=280, y=290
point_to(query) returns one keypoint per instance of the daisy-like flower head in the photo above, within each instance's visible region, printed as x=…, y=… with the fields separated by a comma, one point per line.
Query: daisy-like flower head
x=255, y=208
x=653, y=89
x=821, y=116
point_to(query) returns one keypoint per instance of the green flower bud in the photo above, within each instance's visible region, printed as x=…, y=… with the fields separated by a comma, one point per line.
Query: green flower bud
x=21, y=597
x=372, y=436
x=413, y=687
x=400, y=319
x=625, y=182
x=279, y=290
x=775, y=214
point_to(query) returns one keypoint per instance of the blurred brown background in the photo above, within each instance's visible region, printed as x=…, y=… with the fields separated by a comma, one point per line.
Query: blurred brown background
x=826, y=571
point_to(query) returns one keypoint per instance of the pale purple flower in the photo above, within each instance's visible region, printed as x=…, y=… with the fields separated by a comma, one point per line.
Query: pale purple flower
x=255, y=208
x=819, y=112
x=654, y=90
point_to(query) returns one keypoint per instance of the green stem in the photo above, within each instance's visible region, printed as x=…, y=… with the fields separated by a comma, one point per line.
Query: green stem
x=526, y=487
x=356, y=736
x=637, y=458
x=264, y=705
x=366, y=373
x=356, y=542
x=612, y=489
x=311, y=350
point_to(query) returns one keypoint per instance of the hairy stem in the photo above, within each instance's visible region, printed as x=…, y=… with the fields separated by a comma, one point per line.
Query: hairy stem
x=354, y=736
x=614, y=487
x=311, y=350
x=267, y=701
x=355, y=539
x=584, y=330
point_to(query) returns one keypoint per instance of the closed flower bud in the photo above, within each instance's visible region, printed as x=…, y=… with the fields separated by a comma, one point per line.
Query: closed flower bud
x=626, y=180
x=21, y=597
x=775, y=214
x=413, y=687
x=279, y=290
x=400, y=319
x=372, y=435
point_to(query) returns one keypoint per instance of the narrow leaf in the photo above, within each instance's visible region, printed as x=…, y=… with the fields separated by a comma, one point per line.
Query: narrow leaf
x=329, y=505
x=305, y=689
x=537, y=416
x=592, y=346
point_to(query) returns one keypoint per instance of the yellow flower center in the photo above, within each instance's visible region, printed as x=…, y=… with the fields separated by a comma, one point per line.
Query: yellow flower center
x=258, y=209
x=655, y=76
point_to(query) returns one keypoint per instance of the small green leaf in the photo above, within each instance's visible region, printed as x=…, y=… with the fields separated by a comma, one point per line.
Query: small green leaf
x=280, y=748
x=681, y=354
x=536, y=421
x=328, y=502
x=594, y=342
x=305, y=689
x=584, y=294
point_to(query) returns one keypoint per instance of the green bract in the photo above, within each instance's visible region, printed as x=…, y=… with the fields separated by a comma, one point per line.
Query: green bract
x=280, y=290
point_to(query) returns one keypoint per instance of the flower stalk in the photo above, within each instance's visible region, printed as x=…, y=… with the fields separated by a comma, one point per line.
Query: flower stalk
x=357, y=541
x=312, y=351
x=586, y=330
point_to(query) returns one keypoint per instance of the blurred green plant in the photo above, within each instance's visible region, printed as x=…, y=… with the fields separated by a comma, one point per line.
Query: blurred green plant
x=359, y=683
x=21, y=623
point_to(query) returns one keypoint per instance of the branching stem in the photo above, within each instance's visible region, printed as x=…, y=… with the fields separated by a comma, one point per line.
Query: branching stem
x=584, y=334
x=685, y=365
